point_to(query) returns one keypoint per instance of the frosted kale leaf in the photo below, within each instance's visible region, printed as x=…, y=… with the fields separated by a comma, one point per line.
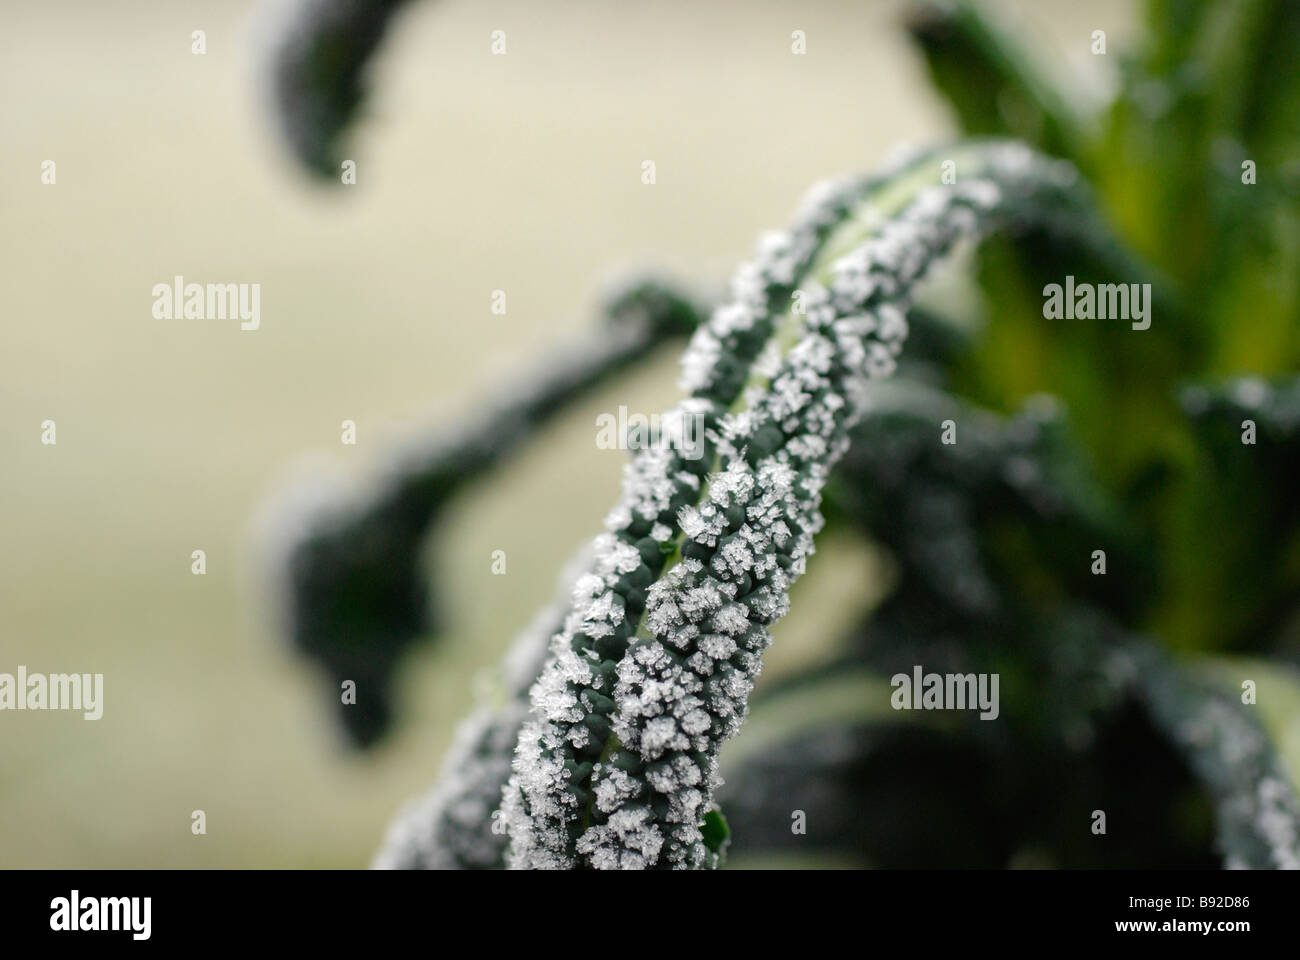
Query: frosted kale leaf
x=620, y=764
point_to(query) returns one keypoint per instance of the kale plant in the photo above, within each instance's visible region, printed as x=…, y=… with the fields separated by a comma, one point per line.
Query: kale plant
x=1083, y=471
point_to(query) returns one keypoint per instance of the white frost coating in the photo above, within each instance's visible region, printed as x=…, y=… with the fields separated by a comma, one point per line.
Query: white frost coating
x=629, y=840
x=684, y=690
x=659, y=707
x=549, y=790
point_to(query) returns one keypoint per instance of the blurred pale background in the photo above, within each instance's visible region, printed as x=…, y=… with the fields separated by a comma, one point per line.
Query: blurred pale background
x=475, y=173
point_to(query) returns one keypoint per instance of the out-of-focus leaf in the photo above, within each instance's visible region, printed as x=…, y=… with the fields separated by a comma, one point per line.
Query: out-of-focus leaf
x=946, y=789
x=1268, y=119
x=1108, y=374
x=1207, y=90
x=884, y=794
x=320, y=51
x=1234, y=581
x=993, y=84
x=1006, y=490
x=355, y=592
x=1233, y=752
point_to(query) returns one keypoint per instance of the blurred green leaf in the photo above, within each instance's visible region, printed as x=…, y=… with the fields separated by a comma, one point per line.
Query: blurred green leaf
x=1233, y=751
x=992, y=83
